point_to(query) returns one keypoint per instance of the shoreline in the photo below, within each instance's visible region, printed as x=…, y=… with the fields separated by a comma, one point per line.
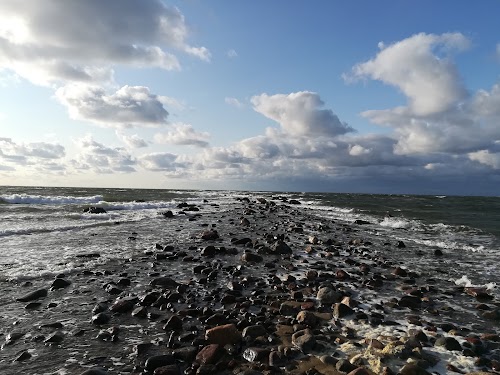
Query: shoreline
x=257, y=285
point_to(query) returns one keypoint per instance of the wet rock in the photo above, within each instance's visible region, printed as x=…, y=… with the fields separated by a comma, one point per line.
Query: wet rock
x=254, y=331
x=360, y=371
x=449, y=343
x=208, y=235
x=340, y=310
x=223, y=335
x=123, y=305
x=256, y=355
x=304, y=340
x=55, y=338
x=174, y=323
x=167, y=370
x=154, y=362
x=39, y=293
x=413, y=369
x=307, y=318
x=411, y=302
x=327, y=296
x=251, y=258
x=100, y=318
x=209, y=251
x=361, y=222
x=12, y=337
x=164, y=281
x=277, y=359
x=59, y=283
x=23, y=356
x=33, y=305
x=401, y=245
x=344, y=365
x=140, y=312
x=210, y=354
x=168, y=214
x=186, y=353
x=281, y=247
x=94, y=210
x=289, y=308
x=492, y=315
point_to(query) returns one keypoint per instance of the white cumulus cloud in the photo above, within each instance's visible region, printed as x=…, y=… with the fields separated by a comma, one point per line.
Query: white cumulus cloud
x=300, y=114
x=421, y=68
x=183, y=134
x=128, y=106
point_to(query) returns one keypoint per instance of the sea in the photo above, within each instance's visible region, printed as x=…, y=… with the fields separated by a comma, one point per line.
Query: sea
x=43, y=229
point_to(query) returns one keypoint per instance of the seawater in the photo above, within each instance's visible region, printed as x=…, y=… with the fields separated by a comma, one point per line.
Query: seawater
x=42, y=229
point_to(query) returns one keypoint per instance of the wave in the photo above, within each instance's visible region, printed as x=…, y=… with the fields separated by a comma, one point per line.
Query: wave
x=397, y=223
x=51, y=200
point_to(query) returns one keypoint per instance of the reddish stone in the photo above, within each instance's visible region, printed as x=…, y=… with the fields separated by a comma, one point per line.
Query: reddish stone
x=210, y=354
x=223, y=335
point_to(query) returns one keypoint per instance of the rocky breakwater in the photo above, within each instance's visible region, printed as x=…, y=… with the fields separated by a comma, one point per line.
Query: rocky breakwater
x=258, y=287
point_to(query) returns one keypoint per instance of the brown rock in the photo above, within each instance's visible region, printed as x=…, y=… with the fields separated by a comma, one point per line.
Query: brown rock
x=308, y=318
x=210, y=354
x=223, y=335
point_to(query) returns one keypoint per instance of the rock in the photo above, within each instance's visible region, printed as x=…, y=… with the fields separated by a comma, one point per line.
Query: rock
x=340, y=310
x=361, y=222
x=401, y=245
x=154, y=362
x=307, y=318
x=449, y=343
x=168, y=214
x=294, y=201
x=327, y=296
x=140, y=312
x=59, y=283
x=289, y=308
x=210, y=354
x=411, y=302
x=39, y=293
x=223, y=335
x=12, y=337
x=100, y=318
x=54, y=338
x=167, y=370
x=281, y=247
x=209, y=235
x=251, y=258
x=304, y=340
x=277, y=359
x=209, y=251
x=412, y=369
x=173, y=324
x=344, y=365
x=25, y=355
x=254, y=331
x=94, y=210
x=164, y=281
x=360, y=371
x=256, y=355
x=123, y=305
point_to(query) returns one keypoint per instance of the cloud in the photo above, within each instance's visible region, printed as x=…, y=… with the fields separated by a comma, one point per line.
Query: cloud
x=52, y=41
x=23, y=152
x=487, y=158
x=300, y=114
x=231, y=54
x=99, y=158
x=183, y=134
x=233, y=102
x=129, y=106
x=415, y=66
x=160, y=161
x=132, y=141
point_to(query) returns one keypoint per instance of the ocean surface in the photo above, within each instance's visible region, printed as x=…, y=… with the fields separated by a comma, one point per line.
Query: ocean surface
x=43, y=229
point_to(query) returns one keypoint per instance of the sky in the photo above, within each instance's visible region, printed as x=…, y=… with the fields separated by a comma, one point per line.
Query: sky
x=361, y=96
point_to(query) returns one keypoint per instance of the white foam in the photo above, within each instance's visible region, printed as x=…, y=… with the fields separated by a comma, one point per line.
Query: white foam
x=43, y=199
x=396, y=223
